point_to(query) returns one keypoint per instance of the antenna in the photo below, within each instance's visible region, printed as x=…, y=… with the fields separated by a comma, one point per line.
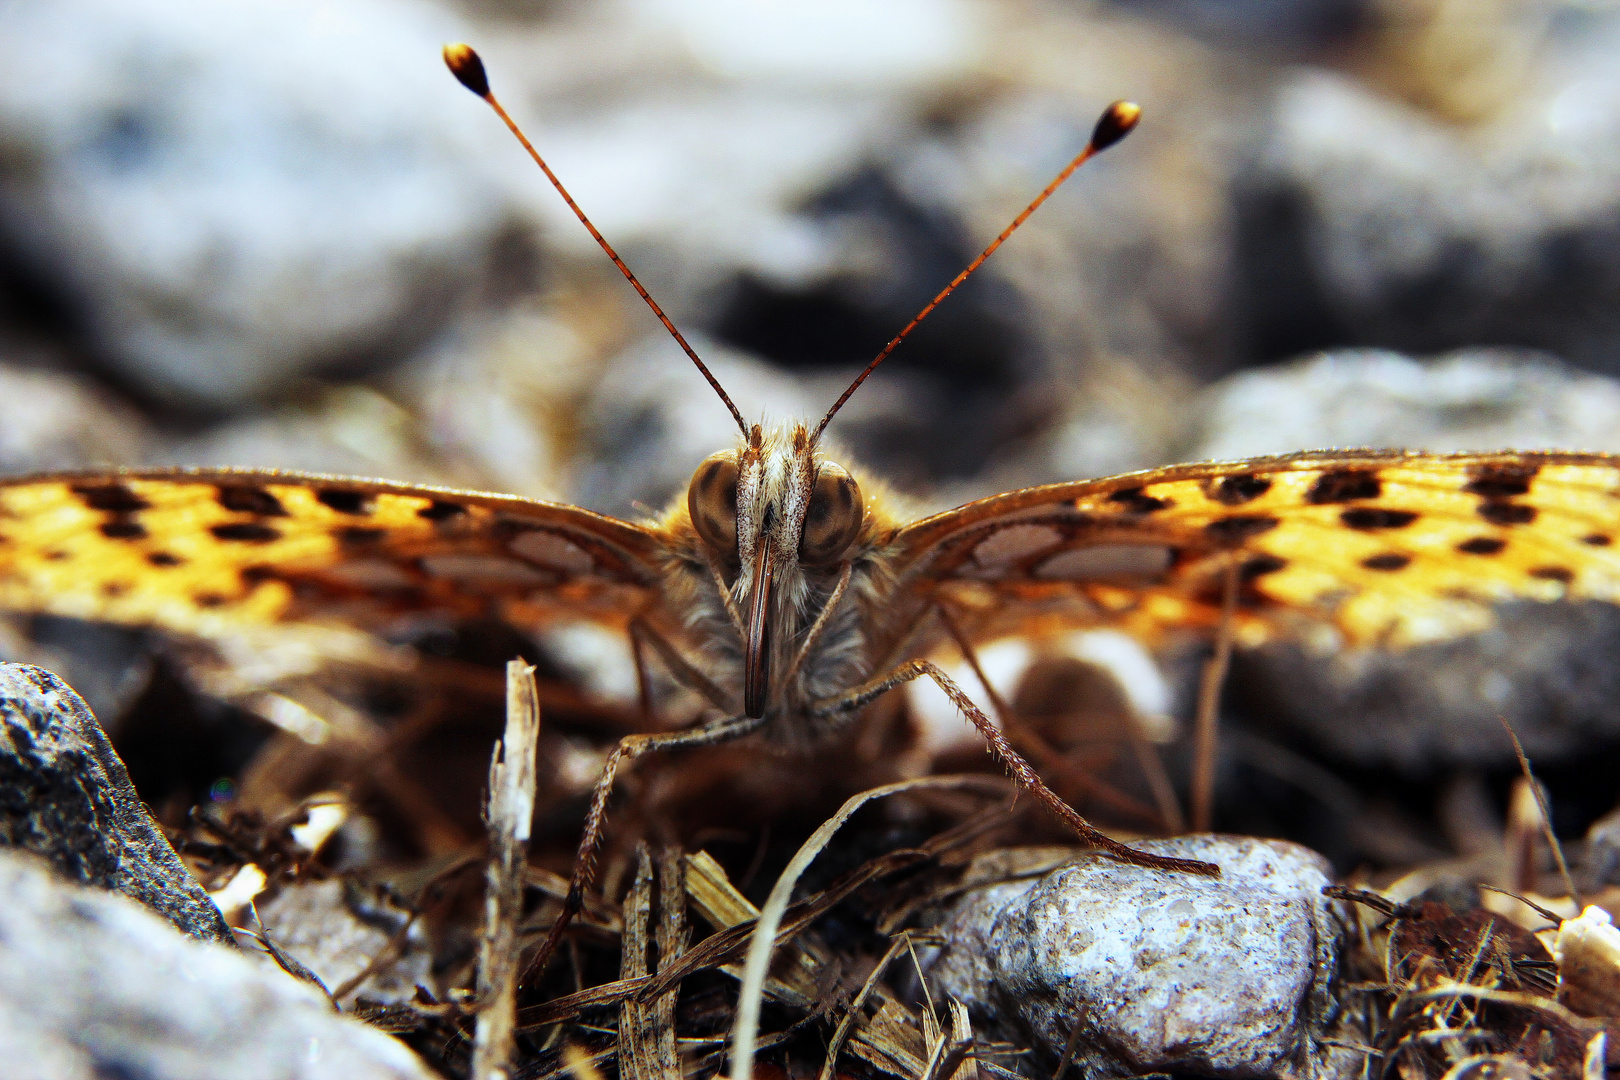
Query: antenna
x=1116, y=122
x=468, y=69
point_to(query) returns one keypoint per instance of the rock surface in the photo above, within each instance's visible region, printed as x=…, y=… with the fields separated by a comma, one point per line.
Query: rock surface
x=1379, y=222
x=65, y=796
x=1470, y=399
x=1160, y=972
x=225, y=200
x=53, y=420
x=93, y=985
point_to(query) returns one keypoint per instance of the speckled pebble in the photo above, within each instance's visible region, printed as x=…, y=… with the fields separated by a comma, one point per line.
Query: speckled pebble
x=93, y=985
x=1160, y=971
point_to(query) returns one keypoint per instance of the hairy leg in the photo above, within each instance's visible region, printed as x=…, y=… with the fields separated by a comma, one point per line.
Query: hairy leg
x=643, y=634
x=819, y=627
x=1047, y=757
x=846, y=705
x=629, y=748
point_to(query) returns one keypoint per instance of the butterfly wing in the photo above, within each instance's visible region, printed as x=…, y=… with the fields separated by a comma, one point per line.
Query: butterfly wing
x=1386, y=547
x=212, y=552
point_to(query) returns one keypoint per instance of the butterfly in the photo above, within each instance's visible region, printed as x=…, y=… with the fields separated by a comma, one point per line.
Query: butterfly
x=785, y=590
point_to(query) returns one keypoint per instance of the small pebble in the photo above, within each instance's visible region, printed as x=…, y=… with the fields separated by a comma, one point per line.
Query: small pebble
x=66, y=797
x=93, y=986
x=1156, y=971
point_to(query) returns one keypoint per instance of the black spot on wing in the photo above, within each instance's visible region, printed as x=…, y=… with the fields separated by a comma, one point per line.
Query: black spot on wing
x=208, y=600
x=246, y=532
x=1235, y=529
x=1136, y=501
x=1368, y=518
x=439, y=510
x=164, y=559
x=1239, y=489
x=112, y=498
x=1344, y=485
x=1597, y=539
x=114, y=589
x=1259, y=566
x=1501, y=481
x=123, y=529
x=1387, y=561
x=346, y=502
x=1553, y=573
x=1481, y=545
x=1506, y=513
x=247, y=499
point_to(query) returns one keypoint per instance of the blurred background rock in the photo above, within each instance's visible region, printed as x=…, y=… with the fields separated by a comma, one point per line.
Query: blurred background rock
x=277, y=233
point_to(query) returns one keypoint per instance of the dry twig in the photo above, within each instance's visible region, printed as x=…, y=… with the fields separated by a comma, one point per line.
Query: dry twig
x=511, y=813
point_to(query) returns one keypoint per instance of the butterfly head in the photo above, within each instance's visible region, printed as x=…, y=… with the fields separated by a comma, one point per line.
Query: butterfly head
x=780, y=520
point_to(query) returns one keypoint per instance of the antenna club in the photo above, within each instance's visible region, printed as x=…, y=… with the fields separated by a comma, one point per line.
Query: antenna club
x=1116, y=122
x=468, y=69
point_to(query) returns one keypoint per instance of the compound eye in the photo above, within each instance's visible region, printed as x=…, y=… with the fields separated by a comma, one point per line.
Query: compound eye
x=833, y=519
x=712, y=502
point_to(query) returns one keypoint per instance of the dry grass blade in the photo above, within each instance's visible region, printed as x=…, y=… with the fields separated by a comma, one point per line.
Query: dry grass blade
x=1209, y=704
x=892, y=1042
x=720, y=948
x=949, y=1051
x=647, y=1029
x=776, y=904
x=511, y=814
x=570, y=1006
x=896, y=947
x=1546, y=815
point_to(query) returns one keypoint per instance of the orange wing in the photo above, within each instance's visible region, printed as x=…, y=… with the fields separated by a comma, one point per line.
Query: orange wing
x=1390, y=548
x=217, y=552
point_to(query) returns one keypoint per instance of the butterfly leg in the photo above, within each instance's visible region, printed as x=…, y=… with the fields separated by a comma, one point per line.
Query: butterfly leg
x=1050, y=759
x=629, y=748
x=819, y=627
x=643, y=634
x=848, y=704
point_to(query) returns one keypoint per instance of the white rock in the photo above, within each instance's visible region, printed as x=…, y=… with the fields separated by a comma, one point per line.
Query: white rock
x=1160, y=971
x=1421, y=233
x=92, y=984
x=52, y=420
x=1588, y=955
x=1471, y=399
x=232, y=194
x=1124, y=686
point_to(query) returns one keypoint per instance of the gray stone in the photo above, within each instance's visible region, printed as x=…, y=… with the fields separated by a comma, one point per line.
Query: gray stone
x=65, y=796
x=228, y=199
x=653, y=419
x=53, y=420
x=93, y=985
x=1471, y=399
x=1370, y=220
x=1158, y=971
x=1547, y=668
